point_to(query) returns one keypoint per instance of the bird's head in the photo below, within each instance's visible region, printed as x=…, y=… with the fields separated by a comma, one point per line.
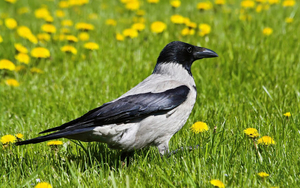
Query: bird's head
x=184, y=54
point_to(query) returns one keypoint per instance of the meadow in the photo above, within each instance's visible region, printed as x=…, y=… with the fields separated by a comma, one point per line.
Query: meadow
x=60, y=59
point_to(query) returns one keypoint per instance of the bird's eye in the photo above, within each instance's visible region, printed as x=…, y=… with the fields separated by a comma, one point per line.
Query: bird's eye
x=190, y=49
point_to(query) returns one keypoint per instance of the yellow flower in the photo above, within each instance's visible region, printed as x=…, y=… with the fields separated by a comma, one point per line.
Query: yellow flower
x=199, y=127
x=83, y=36
x=84, y=26
x=248, y=4
x=22, y=58
x=133, y=5
x=139, y=19
x=1, y=39
x=23, y=10
x=60, y=37
x=6, y=64
x=49, y=19
x=8, y=139
x=49, y=28
x=132, y=33
x=32, y=38
x=119, y=37
x=11, y=1
x=69, y=48
x=271, y=2
x=140, y=12
x=36, y=70
x=20, y=48
x=43, y=185
x=288, y=3
x=158, y=27
x=266, y=140
x=187, y=31
x=40, y=52
x=43, y=37
x=65, y=30
x=41, y=13
x=12, y=82
x=71, y=38
x=91, y=46
x=289, y=20
x=23, y=31
x=63, y=4
x=220, y=2
x=217, y=183
x=288, y=114
x=19, y=136
x=251, y=132
x=191, y=25
x=60, y=13
x=204, y=5
x=11, y=23
x=138, y=26
x=204, y=29
x=177, y=19
x=263, y=174
x=153, y=1
x=175, y=3
x=54, y=143
x=267, y=31
x=66, y=23
x=111, y=22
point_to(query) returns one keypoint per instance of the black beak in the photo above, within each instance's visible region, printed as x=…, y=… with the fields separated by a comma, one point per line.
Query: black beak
x=201, y=53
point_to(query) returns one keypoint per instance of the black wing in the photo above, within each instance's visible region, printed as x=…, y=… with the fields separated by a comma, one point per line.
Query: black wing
x=127, y=109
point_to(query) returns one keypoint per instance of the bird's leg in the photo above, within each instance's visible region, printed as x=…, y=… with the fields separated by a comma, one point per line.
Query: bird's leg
x=163, y=148
x=126, y=156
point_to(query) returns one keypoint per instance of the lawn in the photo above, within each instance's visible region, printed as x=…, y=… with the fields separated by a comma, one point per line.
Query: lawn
x=81, y=54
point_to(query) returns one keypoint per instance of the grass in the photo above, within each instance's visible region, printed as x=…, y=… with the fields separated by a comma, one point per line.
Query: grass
x=252, y=83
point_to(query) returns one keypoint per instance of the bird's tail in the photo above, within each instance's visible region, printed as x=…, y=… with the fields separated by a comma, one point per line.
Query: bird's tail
x=40, y=139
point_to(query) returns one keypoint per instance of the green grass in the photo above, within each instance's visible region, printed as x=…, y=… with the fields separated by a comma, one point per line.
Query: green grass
x=252, y=83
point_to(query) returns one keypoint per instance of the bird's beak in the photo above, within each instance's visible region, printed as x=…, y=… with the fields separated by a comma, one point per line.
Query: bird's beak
x=201, y=53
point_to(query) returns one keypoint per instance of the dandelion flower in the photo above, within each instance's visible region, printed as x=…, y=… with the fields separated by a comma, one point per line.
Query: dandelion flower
x=40, y=52
x=83, y=36
x=12, y=82
x=289, y=20
x=10, y=23
x=65, y=30
x=19, y=136
x=119, y=37
x=60, y=13
x=43, y=37
x=288, y=3
x=8, y=139
x=20, y=48
x=132, y=33
x=54, y=143
x=1, y=39
x=140, y=12
x=288, y=114
x=67, y=23
x=204, y=29
x=63, y=4
x=36, y=70
x=263, y=174
x=220, y=2
x=175, y=3
x=41, y=13
x=272, y=2
x=267, y=31
x=153, y=1
x=11, y=1
x=49, y=19
x=251, y=132
x=6, y=64
x=138, y=26
x=187, y=31
x=23, y=31
x=49, y=28
x=71, y=38
x=68, y=48
x=248, y=4
x=111, y=22
x=177, y=19
x=32, y=38
x=266, y=140
x=204, y=5
x=84, y=26
x=132, y=5
x=199, y=127
x=43, y=185
x=158, y=27
x=91, y=46
x=217, y=183
x=22, y=58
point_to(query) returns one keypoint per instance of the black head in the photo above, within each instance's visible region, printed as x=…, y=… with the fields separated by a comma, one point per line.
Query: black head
x=184, y=54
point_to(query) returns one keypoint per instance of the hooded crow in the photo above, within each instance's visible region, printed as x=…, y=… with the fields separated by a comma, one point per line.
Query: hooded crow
x=147, y=115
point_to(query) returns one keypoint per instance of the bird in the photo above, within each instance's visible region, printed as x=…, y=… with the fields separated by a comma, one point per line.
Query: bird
x=149, y=114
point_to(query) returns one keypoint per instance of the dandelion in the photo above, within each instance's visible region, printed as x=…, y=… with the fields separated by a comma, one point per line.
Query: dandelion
x=272, y=2
x=71, y=38
x=43, y=37
x=43, y=185
x=6, y=139
x=32, y=38
x=83, y=36
x=36, y=70
x=204, y=5
x=191, y=25
x=66, y=23
x=251, y=132
x=153, y=1
x=91, y=46
x=11, y=1
x=19, y=136
x=140, y=12
x=65, y=30
x=199, y=127
x=132, y=33
x=84, y=26
x=289, y=20
x=1, y=39
x=158, y=27
x=12, y=82
x=111, y=22
x=6, y=64
x=68, y=48
x=60, y=37
x=54, y=143
x=288, y=114
x=40, y=52
x=63, y=4
x=49, y=19
x=119, y=37
x=23, y=31
x=41, y=13
x=10, y=23
x=177, y=19
x=138, y=26
x=263, y=174
x=132, y=5
x=187, y=31
x=248, y=4
x=266, y=140
x=22, y=58
x=20, y=48
x=288, y=3
x=175, y=3
x=267, y=31
x=204, y=29
x=217, y=183
x=49, y=28
x=220, y=2
x=60, y=13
